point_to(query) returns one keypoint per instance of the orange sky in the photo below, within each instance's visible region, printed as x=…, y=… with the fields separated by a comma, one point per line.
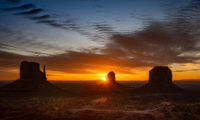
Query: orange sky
x=180, y=72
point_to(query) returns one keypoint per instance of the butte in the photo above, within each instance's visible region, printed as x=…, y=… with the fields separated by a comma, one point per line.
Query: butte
x=160, y=80
x=32, y=81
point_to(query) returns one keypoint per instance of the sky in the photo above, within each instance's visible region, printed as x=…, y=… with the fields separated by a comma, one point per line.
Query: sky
x=85, y=39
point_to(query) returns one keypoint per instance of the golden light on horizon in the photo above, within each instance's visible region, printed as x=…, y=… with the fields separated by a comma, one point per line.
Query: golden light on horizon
x=180, y=72
x=104, y=78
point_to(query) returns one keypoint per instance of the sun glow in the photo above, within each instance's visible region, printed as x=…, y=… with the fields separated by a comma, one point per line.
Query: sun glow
x=104, y=79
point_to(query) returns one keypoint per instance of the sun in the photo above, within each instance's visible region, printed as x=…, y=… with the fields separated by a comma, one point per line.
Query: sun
x=104, y=79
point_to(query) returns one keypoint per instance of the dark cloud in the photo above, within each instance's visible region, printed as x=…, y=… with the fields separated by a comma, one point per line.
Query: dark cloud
x=14, y=1
x=65, y=25
x=10, y=1
x=155, y=44
x=22, y=7
x=31, y=12
x=52, y=23
x=71, y=23
x=161, y=42
x=103, y=28
x=46, y=18
x=70, y=62
x=10, y=59
x=40, y=17
x=103, y=31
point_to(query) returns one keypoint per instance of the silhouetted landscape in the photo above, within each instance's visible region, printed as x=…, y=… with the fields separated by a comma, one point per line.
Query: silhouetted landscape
x=99, y=60
x=33, y=97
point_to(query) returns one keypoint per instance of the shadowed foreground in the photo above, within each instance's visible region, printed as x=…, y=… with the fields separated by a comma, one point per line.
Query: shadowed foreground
x=89, y=101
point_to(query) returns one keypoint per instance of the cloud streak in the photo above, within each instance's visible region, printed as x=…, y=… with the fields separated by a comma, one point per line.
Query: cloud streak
x=30, y=12
x=158, y=43
x=22, y=7
x=40, y=17
x=14, y=1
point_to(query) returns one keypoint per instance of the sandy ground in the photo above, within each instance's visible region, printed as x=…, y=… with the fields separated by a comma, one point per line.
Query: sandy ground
x=88, y=102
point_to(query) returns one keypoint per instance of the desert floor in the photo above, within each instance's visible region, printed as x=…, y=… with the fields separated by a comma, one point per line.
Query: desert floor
x=88, y=101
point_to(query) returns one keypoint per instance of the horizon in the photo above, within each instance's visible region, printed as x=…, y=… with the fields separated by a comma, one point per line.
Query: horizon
x=100, y=80
x=85, y=39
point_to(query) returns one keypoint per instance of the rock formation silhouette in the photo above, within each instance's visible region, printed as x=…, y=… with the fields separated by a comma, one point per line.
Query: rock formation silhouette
x=111, y=79
x=160, y=76
x=160, y=80
x=31, y=80
x=31, y=70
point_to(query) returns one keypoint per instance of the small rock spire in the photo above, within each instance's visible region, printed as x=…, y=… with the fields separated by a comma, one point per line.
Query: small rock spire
x=111, y=79
x=44, y=72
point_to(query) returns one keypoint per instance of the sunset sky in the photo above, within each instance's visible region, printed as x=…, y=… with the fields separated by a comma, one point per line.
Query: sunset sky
x=85, y=39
